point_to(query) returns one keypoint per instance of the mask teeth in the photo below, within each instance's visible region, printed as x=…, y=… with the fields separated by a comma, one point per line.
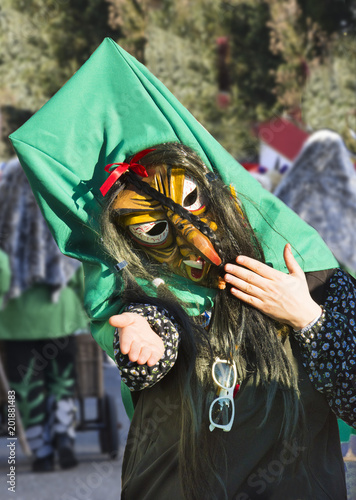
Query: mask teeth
x=193, y=263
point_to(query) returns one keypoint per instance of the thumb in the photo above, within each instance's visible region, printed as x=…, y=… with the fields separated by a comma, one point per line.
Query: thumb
x=121, y=320
x=292, y=265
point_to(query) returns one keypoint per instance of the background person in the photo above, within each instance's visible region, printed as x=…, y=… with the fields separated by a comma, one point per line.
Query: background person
x=41, y=311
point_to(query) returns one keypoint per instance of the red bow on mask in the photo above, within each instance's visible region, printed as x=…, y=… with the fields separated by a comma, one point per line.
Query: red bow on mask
x=122, y=167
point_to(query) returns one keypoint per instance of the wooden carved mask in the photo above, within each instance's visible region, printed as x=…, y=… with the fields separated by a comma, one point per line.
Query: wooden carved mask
x=163, y=234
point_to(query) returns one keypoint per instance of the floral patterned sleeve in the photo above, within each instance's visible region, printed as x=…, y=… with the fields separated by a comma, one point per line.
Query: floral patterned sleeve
x=329, y=348
x=138, y=377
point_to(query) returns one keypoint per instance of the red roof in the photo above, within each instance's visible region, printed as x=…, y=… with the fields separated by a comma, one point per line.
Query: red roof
x=283, y=136
x=251, y=167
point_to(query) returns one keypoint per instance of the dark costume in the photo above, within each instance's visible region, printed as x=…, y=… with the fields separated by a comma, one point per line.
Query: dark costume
x=131, y=110
x=152, y=450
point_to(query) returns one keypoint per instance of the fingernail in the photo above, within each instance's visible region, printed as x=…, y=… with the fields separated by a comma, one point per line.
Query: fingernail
x=240, y=259
x=227, y=277
x=228, y=268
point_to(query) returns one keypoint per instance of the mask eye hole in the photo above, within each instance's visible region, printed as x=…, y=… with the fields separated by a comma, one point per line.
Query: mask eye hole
x=192, y=200
x=150, y=233
x=158, y=228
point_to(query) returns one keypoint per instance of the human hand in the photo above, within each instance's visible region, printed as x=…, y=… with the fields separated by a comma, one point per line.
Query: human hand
x=137, y=339
x=283, y=297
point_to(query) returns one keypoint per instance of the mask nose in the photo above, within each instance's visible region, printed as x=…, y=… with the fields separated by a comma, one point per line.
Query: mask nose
x=194, y=238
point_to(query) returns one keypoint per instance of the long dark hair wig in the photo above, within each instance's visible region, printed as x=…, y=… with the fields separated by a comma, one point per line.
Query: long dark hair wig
x=237, y=331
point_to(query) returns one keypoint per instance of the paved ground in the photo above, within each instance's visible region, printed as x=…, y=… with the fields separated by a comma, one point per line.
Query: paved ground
x=96, y=477
x=351, y=479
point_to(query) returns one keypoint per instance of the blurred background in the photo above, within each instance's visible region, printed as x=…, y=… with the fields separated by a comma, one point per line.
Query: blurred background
x=234, y=64
x=263, y=76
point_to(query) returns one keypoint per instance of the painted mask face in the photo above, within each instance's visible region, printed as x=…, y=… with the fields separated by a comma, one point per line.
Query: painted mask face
x=163, y=234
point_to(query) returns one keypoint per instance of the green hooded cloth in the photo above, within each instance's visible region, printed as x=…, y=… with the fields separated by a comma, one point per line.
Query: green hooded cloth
x=111, y=108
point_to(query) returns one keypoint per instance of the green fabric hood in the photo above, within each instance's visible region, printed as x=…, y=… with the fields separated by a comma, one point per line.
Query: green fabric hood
x=111, y=108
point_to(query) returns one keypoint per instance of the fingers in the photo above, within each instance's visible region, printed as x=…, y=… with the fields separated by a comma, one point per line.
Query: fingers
x=121, y=320
x=256, y=272
x=254, y=275
x=281, y=296
x=125, y=343
x=249, y=299
x=244, y=285
x=139, y=354
x=257, y=267
x=150, y=355
x=134, y=351
x=154, y=358
x=292, y=265
x=137, y=340
x=145, y=354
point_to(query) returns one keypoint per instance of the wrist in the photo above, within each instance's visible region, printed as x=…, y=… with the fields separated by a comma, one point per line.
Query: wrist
x=308, y=320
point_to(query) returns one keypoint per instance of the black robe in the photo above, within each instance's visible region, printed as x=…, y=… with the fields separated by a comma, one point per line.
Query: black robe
x=257, y=468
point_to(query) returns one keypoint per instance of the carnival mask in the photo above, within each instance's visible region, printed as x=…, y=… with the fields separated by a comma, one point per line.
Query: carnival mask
x=163, y=234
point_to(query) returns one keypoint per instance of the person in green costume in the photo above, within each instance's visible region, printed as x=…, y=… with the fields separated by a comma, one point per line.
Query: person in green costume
x=41, y=310
x=267, y=373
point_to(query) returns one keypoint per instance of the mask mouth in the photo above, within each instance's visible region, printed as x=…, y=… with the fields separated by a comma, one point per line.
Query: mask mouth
x=195, y=268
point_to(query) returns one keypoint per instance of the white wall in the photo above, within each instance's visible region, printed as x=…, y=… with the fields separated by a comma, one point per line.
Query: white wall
x=269, y=157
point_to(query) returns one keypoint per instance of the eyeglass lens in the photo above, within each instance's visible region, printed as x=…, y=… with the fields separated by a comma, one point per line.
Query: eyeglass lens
x=221, y=413
x=224, y=374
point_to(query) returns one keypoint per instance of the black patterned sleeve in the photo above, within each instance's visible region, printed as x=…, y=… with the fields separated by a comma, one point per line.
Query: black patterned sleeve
x=138, y=377
x=329, y=348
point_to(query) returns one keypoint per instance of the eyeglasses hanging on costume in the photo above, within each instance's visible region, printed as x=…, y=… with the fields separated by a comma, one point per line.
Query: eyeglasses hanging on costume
x=222, y=409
